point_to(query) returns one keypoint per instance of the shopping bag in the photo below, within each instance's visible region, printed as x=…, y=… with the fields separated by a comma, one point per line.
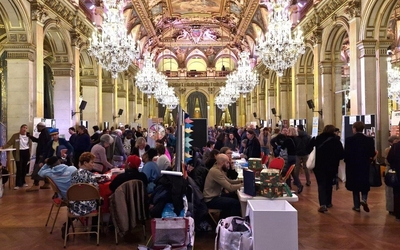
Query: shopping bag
x=391, y=179
x=311, y=159
x=230, y=232
x=375, y=175
x=169, y=231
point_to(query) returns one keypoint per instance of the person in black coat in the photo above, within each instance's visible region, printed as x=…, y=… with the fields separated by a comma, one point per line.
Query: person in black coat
x=358, y=154
x=131, y=173
x=329, y=152
x=393, y=158
x=253, y=145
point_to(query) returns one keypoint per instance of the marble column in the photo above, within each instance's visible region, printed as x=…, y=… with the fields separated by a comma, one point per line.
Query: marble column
x=99, y=105
x=368, y=69
x=242, y=111
x=338, y=101
x=355, y=71
x=211, y=107
x=293, y=94
x=301, y=97
x=277, y=105
x=262, y=114
x=20, y=90
x=284, y=107
x=127, y=111
x=38, y=73
x=63, y=97
x=317, y=96
x=115, y=102
x=327, y=94
x=382, y=111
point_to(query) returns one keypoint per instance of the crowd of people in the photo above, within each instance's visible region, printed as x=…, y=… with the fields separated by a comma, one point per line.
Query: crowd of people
x=212, y=168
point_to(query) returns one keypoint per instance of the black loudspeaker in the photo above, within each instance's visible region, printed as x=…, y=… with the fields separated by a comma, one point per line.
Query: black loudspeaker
x=139, y=115
x=273, y=110
x=82, y=106
x=255, y=115
x=120, y=111
x=310, y=104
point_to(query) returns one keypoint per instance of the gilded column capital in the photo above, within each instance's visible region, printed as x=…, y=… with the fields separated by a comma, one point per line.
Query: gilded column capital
x=326, y=67
x=353, y=9
x=367, y=48
x=316, y=37
x=39, y=12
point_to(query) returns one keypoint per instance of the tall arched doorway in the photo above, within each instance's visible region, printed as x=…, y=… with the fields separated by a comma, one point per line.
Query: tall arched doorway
x=197, y=105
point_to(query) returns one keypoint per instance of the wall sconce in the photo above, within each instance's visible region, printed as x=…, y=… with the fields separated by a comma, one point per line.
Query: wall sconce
x=311, y=106
x=81, y=108
x=120, y=111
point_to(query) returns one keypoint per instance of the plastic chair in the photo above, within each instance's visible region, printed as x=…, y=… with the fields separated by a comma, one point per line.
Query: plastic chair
x=264, y=159
x=277, y=163
x=57, y=202
x=83, y=192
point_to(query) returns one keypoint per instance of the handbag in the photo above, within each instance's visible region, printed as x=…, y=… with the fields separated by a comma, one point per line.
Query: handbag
x=374, y=175
x=311, y=159
x=391, y=179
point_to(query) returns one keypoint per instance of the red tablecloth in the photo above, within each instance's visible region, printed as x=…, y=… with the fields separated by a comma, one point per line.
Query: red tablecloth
x=105, y=192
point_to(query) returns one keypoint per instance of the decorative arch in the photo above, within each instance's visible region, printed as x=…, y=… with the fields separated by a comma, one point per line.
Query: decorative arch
x=197, y=103
x=16, y=21
x=87, y=63
x=375, y=19
x=60, y=49
x=332, y=38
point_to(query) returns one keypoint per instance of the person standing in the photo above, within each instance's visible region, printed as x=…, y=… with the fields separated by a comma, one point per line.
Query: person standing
x=302, y=140
x=20, y=141
x=82, y=144
x=329, y=152
x=358, y=154
x=253, y=145
x=389, y=190
x=394, y=159
x=41, y=141
x=265, y=139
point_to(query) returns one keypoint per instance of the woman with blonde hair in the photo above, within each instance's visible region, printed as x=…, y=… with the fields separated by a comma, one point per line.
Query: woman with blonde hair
x=265, y=139
x=140, y=147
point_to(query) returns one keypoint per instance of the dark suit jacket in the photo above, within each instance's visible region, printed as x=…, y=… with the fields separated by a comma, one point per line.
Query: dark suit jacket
x=61, y=142
x=42, y=141
x=358, y=153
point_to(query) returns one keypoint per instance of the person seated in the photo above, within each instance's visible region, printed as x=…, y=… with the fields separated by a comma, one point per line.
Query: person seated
x=243, y=152
x=59, y=173
x=231, y=171
x=211, y=159
x=84, y=175
x=101, y=164
x=59, y=147
x=140, y=147
x=161, y=142
x=197, y=173
x=131, y=173
x=150, y=168
x=162, y=161
x=217, y=180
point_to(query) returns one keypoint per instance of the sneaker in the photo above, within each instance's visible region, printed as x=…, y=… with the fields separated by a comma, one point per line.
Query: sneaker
x=25, y=185
x=365, y=206
x=45, y=186
x=16, y=188
x=322, y=209
x=33, y=188
x=356, y=209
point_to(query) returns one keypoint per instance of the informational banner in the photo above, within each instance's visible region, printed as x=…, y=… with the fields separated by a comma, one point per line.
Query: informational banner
x=314, y=131
x=395, y=117
x=155, y=131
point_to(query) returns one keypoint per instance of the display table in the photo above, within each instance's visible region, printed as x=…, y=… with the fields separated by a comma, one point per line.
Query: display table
x=8, y=162
x=244, y=198
x=274, y=224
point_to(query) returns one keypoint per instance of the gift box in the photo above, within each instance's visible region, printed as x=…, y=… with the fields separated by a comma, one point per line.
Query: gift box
x=255, y=164
x=269, y=176
x=272, y=190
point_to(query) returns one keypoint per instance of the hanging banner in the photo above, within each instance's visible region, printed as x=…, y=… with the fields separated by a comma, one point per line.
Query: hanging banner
x=314, y=131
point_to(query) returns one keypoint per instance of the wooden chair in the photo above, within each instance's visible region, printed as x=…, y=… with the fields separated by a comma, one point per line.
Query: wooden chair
x=57, y=202
x=83, y=192
x=214, y=215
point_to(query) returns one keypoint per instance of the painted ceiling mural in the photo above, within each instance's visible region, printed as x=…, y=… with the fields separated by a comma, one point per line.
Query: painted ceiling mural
x=207, y=27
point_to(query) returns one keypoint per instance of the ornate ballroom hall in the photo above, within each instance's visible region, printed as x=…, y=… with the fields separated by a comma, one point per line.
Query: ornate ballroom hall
x=48, y=62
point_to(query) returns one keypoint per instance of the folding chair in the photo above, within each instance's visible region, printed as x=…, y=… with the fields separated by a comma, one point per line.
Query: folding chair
x=84, y=192
x=56, y=201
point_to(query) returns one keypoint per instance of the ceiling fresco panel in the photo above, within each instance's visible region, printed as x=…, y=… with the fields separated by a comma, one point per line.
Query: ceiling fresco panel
x=201, y=6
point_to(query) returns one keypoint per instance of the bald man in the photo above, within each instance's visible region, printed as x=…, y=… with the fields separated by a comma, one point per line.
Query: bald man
x=217, y=180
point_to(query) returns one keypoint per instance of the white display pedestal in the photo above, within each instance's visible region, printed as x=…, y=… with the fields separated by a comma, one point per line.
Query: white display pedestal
x=274, y=224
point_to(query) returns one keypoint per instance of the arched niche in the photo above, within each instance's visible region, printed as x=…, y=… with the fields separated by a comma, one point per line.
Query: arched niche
x=196, y=63
x=227, y=61
x=167, y=63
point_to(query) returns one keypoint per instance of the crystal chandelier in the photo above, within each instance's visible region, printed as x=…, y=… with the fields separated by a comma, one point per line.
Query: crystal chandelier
x=148, y=79
x=277, y=49
x=113, y=48
x=166, y=96
x=222, y=101
x=244, y=79
x=393, y=82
